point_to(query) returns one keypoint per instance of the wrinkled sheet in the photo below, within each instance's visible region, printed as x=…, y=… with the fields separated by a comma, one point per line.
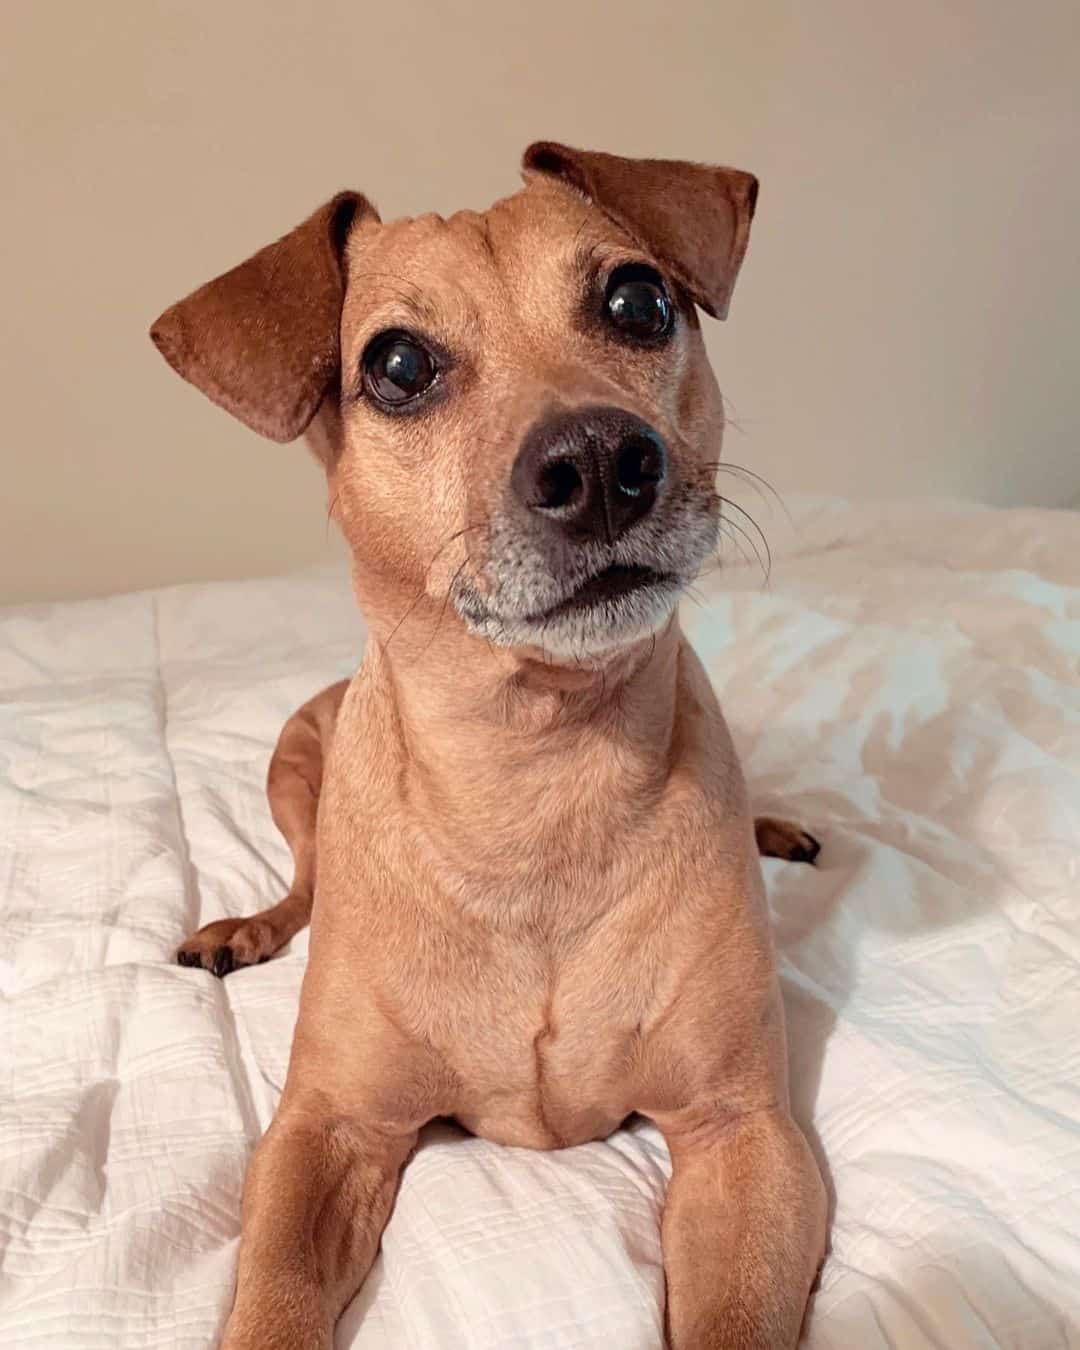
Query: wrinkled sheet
x=907, y=685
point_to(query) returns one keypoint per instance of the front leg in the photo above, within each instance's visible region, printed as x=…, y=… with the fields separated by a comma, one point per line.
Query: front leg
x=743, y=1231
x=317, y=1197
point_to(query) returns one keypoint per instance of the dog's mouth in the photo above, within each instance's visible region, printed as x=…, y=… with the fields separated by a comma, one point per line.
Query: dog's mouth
x=612, y=584
x=593, y=602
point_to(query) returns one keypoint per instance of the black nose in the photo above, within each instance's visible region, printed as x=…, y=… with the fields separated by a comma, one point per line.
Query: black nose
x=593, y=472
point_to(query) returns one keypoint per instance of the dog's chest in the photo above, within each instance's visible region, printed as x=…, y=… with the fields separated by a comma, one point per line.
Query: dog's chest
x=548, y=1057
x=556, y=1088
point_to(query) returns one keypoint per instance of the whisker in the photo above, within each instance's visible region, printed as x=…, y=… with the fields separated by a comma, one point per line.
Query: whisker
x=427, y=572
x=726, y=501
x=446, y=600
x=733, y=540
x=652, y=652
x=721, y=466
x=753, y=480
x=731, y=418
x=393, y=631
x=577, y=232
x=756, y=481
x=734, y=524
x=765, y=572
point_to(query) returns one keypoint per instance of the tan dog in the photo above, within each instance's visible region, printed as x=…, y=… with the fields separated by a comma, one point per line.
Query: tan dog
x=539, y=903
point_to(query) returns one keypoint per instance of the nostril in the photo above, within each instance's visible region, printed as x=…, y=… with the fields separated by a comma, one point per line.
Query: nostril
x=558, y=484
x=640, y=465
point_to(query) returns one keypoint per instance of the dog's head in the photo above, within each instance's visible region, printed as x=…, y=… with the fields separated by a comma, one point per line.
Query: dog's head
x=515, y=409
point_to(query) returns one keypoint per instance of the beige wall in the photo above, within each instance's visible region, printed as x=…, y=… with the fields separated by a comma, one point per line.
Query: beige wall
x=906, y=323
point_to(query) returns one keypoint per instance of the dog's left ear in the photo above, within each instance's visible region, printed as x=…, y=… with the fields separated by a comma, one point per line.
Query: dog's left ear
x=263, y=339
x=693, y=217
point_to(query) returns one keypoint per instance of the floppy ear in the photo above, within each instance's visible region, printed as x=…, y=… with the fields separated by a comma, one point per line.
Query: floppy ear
x=262, y=340
x=693, y=217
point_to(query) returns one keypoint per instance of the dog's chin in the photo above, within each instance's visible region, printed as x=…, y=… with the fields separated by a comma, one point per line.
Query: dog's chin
x=607, y=613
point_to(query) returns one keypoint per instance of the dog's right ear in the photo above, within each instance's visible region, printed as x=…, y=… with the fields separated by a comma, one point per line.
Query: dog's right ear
x=263, y=339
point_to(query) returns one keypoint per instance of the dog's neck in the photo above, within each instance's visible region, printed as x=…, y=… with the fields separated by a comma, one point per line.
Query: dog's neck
x=508, y=760
x=465, y=702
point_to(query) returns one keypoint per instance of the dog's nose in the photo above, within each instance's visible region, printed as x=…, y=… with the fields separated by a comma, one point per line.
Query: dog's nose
x=592, y=472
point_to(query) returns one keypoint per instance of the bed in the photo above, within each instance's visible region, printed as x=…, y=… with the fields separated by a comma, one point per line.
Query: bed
x=907, y=685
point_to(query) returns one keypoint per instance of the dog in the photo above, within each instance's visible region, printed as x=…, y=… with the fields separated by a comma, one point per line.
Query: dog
x=538, y=901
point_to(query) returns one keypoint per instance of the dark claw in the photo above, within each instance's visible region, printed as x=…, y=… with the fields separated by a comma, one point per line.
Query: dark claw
x=224, y=962
x=807, y=852
x=188, y=959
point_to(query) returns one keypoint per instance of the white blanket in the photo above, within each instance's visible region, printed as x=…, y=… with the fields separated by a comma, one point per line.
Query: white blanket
x=908, y=686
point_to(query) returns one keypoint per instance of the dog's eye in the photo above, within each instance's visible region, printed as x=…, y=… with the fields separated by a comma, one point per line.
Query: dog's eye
x=637, y=302
x=397, y=368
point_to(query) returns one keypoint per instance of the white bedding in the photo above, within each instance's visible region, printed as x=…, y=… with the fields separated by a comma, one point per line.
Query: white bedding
x=908, y=687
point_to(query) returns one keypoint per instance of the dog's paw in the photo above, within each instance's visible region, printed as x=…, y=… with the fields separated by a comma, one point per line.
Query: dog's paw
x=784, y=839
x=227, y=945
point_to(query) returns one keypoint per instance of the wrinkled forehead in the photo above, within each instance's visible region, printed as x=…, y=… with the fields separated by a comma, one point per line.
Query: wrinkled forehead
x=526, y=256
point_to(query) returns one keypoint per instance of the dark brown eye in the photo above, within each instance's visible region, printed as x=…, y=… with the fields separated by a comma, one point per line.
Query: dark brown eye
x=637, y=303
x=397, y=368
